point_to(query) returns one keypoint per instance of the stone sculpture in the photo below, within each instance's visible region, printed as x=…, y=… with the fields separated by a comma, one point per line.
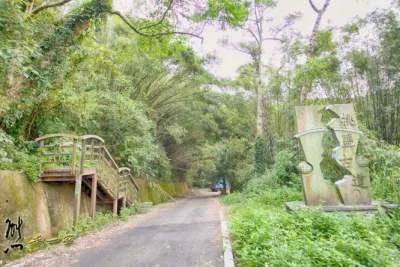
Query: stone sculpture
x=351, y=189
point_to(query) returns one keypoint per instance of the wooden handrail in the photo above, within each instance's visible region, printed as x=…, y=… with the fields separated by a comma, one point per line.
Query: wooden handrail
x=49, y=136
x=129, y=175
x=91, y=136
x=111, y=158
x=124, y=169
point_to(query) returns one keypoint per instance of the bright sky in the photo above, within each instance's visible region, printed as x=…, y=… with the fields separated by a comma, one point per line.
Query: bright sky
x=338, y=14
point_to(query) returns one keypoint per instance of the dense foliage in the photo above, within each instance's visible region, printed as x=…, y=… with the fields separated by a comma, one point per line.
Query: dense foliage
x=80, y=73
x=85, y=68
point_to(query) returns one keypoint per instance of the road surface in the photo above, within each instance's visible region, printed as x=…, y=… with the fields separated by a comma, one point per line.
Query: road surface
x=184, y=233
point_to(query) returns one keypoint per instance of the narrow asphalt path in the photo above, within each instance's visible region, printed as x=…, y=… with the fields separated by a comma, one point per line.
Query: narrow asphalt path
x=185, y=234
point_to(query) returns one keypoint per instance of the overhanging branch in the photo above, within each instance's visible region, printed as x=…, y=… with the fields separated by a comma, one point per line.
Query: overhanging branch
x=161, y=19
x=274, y=39
x=147, y=34
x=46, y=6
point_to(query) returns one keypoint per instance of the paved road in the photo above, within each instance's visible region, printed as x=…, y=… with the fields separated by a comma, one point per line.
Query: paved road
x=187, y=234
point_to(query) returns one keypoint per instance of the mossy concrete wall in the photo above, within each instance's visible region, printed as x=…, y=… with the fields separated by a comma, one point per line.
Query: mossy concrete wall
x=174, y=189
x=61, y=204
x=43, y=208
x=147, y=193
x=21, y=199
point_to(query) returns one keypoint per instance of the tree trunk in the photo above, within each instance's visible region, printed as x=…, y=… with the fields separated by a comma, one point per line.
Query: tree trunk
x=261, y=99
x=260, y=112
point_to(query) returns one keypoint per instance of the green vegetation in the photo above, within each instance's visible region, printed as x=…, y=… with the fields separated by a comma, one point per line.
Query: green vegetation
x=385, y=171
x=137, y=82
x=89, y=72
x=80, y=73
x=14, y=156
x=264, y=233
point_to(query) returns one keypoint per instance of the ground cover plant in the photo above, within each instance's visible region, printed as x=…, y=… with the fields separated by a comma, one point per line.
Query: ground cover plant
x=265, y=234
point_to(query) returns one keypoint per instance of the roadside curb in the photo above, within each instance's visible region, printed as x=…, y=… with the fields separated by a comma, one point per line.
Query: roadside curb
x=226, y=242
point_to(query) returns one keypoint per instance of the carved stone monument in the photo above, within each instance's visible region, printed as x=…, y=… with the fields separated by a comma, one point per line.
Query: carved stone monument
x=351, y=189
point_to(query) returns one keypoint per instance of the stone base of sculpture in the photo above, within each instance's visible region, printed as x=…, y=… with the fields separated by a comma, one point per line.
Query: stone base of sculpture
x=371, y=208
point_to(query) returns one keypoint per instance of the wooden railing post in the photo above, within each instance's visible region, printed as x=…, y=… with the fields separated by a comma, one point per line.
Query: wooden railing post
x=73, y=160
x=115, y=206
x=93, y=196
x=124, y=202
x=78, y=183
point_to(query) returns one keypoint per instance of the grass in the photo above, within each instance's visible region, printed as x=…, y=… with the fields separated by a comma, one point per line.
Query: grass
x=264, y=234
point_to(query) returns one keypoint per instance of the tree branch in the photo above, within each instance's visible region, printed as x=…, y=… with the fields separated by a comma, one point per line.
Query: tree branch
x=161, y=19
x=257, y=20
x=326, y=4
x=311, y=46
x=241, y=49
x=274, y=39
x=254, y=36
x=314, y=6
x=317, y=24
x=43, y=7
x=146, y=34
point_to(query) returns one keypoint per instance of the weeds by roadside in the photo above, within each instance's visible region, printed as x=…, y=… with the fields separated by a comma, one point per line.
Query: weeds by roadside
x=264, y=234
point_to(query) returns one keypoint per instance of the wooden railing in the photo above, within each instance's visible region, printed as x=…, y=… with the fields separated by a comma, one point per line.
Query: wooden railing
x=78, y=155
x=59, y=151
x=128, y=186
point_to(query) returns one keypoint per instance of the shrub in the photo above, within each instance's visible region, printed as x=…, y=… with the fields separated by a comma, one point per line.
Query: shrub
x=126, y=212
x=384, y=169
x=19, y=158
x=284, y=172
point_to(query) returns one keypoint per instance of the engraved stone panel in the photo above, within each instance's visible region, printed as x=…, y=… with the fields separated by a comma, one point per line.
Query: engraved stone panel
x=351, y=189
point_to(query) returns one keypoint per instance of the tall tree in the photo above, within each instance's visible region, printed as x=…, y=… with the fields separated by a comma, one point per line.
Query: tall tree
x=252, y=17
x=256, y=25
x=312, y=42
